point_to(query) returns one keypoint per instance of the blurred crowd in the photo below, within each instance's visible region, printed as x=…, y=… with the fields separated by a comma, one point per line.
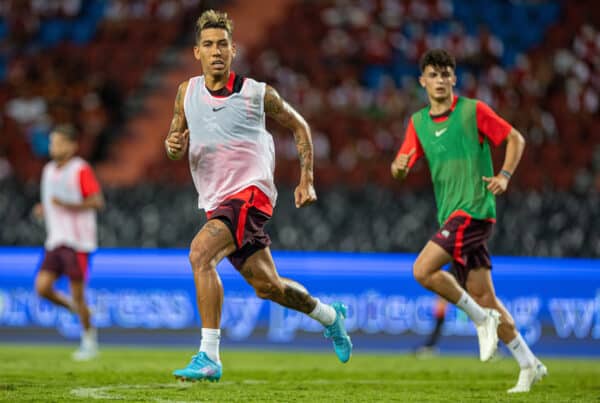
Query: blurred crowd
x=72, y=61
x=351, y=68
x=372, y=219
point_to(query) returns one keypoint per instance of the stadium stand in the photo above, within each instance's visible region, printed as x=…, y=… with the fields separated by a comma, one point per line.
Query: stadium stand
x=72, y=61
x=350, y=67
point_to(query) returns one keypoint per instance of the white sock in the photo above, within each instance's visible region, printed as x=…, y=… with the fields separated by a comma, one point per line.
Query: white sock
x=520, y=350
x=471, y=308
x=89, y=338
x=210, y=343
x=323, y=313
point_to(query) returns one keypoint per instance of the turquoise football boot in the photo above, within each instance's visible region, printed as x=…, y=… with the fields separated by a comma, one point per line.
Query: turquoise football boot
x=337, y=332
x=199, y=369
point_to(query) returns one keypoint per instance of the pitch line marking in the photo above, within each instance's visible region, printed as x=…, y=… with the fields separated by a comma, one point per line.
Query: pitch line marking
x=110, y=392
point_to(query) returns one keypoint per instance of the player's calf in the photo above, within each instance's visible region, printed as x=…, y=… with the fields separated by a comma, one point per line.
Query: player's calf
x=272, y=291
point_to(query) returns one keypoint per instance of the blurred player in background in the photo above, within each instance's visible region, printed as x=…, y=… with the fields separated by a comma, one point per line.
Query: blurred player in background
x=430, y=347
x=219, y=120
x=439, y=312
x=454, y=134
x=70, y=196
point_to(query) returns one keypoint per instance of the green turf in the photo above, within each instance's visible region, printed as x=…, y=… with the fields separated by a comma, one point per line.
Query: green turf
x=36, y=373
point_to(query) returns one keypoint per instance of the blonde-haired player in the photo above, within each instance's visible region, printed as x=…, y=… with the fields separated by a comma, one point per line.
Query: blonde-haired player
x=219, y=121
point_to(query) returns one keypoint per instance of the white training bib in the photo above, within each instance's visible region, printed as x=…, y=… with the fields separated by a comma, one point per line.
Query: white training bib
x=65, y=227
x=230, y=148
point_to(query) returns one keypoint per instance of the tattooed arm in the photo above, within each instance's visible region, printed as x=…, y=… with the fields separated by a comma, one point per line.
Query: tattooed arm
x=177, y=140
x=282, y=112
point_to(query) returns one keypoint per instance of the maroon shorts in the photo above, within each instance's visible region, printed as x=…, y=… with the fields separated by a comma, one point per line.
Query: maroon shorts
x=465, y=239
x=65, y=260
x=245, y=214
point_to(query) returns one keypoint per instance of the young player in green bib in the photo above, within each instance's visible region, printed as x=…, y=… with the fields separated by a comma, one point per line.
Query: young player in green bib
x=454, y=135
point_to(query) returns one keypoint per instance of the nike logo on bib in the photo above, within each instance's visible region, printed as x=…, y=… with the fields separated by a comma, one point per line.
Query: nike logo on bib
x=438, y=133
x=218, y=109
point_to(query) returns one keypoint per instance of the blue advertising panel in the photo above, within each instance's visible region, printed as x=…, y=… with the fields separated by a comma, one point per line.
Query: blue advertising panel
x=555, y=302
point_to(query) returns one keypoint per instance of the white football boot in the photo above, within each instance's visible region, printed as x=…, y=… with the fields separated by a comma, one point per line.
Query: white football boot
x=487, y=333
x=529, y=376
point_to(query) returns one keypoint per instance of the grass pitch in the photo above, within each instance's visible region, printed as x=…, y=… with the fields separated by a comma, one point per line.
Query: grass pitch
x=46, y=373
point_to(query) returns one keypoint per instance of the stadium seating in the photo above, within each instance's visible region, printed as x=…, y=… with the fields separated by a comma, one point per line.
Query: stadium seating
x=371, y=219
x=544, y=68
x=77, y=64
x=350, y=67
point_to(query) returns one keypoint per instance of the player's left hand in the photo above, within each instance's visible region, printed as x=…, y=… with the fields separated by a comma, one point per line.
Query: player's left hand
x=497, y=184
x=305, y=194
x=38, y=211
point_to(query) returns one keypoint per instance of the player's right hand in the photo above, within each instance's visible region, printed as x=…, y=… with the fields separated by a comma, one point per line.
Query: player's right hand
x=177, y=144
x=304, y=194
x=399, y=167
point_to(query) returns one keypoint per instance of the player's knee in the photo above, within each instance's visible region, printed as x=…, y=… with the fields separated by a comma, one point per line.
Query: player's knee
x=43, y=290
x=200, y=261
x=421, y=275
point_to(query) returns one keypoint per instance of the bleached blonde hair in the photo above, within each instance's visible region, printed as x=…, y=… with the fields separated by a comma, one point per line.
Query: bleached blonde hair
x=214, y=19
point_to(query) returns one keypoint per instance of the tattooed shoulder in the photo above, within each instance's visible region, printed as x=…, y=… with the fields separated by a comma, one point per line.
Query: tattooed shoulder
x=273, y=101
x=181, y=94
x=178, y=123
